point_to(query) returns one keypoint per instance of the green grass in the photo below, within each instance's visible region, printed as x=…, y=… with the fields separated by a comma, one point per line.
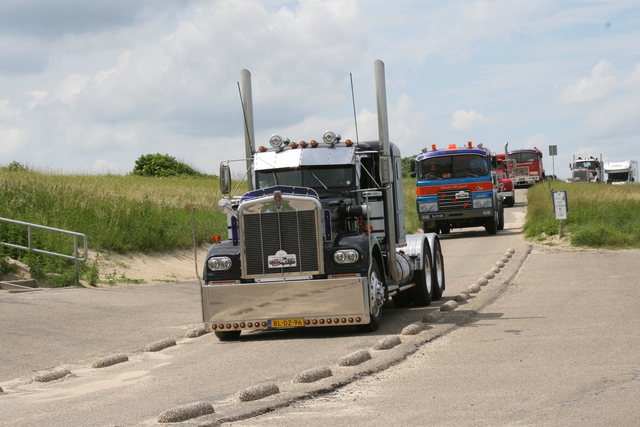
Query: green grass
x=599, y=215
x=117, y=213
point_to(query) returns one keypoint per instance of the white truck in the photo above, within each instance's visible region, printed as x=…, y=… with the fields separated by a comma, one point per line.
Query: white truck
x=587, y=169
x=625, y=172
x=319, y=237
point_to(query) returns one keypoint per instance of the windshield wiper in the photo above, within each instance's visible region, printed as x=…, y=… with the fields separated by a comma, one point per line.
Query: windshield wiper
x=318, y=179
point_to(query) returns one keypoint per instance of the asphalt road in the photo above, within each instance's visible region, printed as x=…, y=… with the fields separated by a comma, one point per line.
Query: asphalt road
x=53, y=330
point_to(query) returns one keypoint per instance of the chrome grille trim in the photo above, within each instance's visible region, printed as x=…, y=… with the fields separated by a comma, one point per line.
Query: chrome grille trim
x=447, y=200
x=296, y=228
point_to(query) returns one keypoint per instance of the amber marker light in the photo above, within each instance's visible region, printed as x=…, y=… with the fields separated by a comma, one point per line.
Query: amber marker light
x=350, y=319
x=216, y=238
x=433, y=147
x=314, y=321
x=214, y=327
x=262, y=149
x=314, y=143
x=358, y=319
x=303, y=144
x=348, y=142
x=469, y=144
x=293, y=145
x=322, y=321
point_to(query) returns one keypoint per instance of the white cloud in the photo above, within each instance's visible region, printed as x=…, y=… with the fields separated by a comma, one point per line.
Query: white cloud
x=463, y=120
x=600, y=84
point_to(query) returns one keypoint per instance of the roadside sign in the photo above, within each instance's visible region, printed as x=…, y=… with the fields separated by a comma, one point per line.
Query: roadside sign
x=560, y=206
x=553, y=150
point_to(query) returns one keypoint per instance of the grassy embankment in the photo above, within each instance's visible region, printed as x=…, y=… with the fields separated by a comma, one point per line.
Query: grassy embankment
x=118, y=214
x=599, y=216
x=125, y=214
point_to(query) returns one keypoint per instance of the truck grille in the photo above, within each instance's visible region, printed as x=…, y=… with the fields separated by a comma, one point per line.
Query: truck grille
x=294, y=232
x=454, y=200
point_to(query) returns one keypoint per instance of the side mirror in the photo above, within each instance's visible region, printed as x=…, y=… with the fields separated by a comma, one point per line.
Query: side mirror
x=412, y=168
x=225, y=179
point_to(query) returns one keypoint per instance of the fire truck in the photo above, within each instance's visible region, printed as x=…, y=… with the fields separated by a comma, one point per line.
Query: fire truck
x=587, y=169
x=505, y=169
x=319, y=238
x=457, y=188
x=529, y=169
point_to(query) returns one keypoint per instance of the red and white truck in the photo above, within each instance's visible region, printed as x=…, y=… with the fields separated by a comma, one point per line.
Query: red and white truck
x=529, y=168
x=505, y=170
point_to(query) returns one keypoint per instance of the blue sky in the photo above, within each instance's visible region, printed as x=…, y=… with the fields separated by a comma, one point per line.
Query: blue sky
x=88, y=87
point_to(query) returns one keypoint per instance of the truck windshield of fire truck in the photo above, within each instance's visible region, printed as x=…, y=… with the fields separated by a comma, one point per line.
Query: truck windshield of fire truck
x=456, y=166
x=524, y=156
x=319, y=178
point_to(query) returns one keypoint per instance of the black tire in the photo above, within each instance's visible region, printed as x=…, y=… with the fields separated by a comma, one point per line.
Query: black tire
x=401, y=299
x=428, y=229
x=437, y=273
x=491, y=225
x=510, y=201
x=375, y=280
x=421, y=293
x=445, y=229
x=227, y=335
x=501, y=218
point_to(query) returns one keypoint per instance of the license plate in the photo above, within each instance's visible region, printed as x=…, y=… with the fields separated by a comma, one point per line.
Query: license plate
x=286, y=323
x=437, y=216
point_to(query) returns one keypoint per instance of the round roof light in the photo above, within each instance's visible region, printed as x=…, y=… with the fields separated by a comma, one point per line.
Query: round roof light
x=330, y=137
x=276, y=141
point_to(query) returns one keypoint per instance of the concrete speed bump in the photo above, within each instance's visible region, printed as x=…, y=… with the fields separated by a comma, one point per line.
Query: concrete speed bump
x=387, y=343
x=495, y=269
x=195, y=333
x=433, y=317
x=474, y=289
x=312, y=375
x=413, y=329
x=449, y=306
x=483, y=281
x=160, y=345
x=110, y=360
x=500, y=264
x=257, y=392
x=505, y=259
x=489, y=274
x=356, y=358
x=186, y=412
x=51, y=375
x=462, y=297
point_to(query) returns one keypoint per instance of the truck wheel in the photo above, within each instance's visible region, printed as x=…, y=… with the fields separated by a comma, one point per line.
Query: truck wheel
x=428, y=229
x=401, y=299
x=227, y=335
x=437, y=273
x=501, y=218
x=510, y=201
x=491, y=225
x=421, y=293
x=445, y=229
x=376, y=299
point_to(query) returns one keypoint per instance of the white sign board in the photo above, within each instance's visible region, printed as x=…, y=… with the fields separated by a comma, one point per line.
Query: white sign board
x=560, y=206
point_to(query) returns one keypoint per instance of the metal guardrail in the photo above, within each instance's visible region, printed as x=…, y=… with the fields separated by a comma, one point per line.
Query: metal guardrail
x=30, y=247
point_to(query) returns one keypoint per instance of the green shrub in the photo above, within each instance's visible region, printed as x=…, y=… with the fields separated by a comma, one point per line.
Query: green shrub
x=162, y=165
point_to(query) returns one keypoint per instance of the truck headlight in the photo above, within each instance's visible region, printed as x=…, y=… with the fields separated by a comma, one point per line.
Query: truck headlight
x=219, y=263
x=481, y=203
x=428, y=207
x=346, y=256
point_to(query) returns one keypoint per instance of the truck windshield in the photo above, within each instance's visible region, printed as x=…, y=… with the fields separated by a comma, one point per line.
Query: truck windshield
x=524, y=156
x=335, y=177
x=459, y=166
